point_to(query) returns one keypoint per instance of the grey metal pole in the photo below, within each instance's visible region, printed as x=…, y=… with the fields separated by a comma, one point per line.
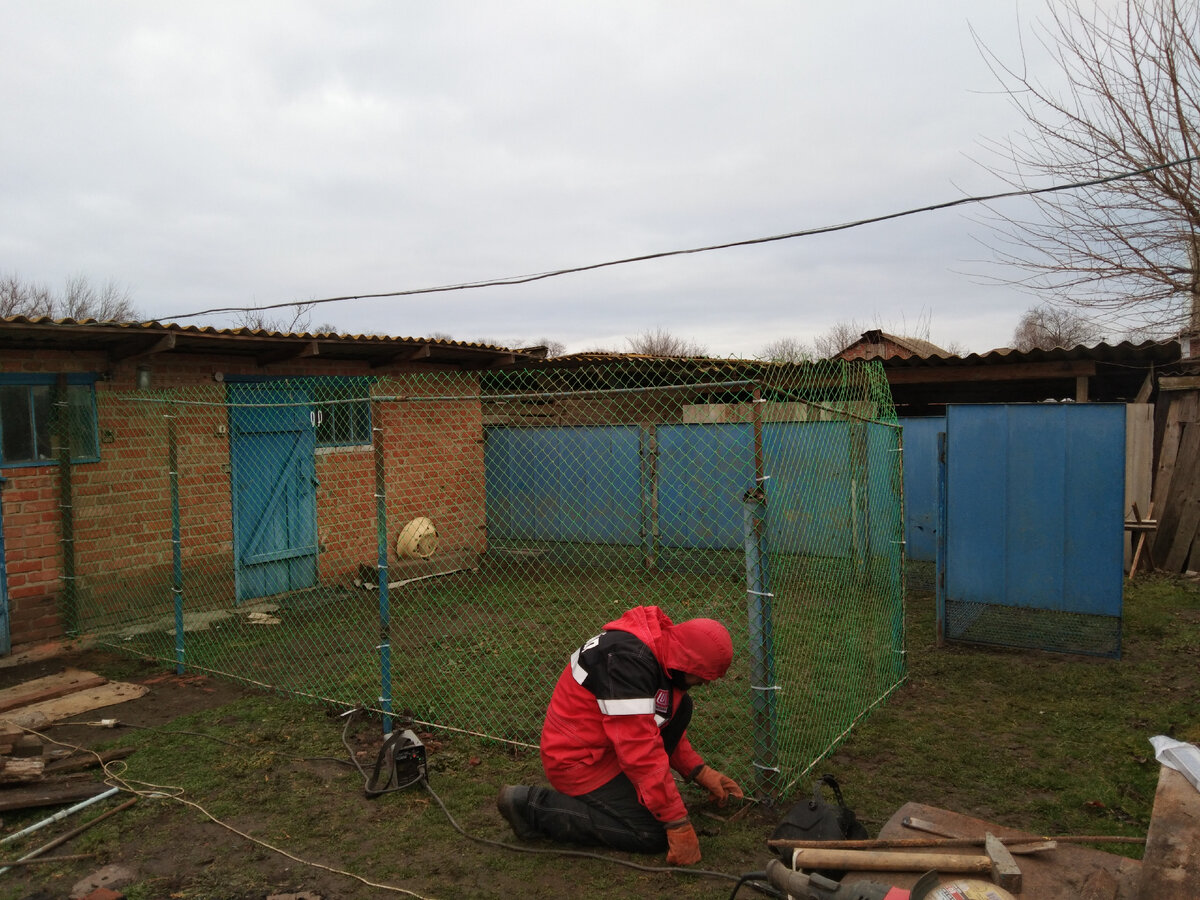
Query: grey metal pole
x=762, y=651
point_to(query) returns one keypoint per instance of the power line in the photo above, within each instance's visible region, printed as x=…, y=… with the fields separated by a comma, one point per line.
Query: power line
x=809, y=232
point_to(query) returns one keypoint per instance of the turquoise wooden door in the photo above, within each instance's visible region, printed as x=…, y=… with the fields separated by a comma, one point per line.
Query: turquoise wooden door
x=273, y=478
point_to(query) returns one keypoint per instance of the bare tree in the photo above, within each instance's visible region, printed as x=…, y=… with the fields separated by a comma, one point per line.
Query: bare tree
x=787, y=350
x=1126, y=248
x=661, y=342
x=839, y=336
x=1048, y=326
x=107, y=303
x=24, y=298
x=295, y=323
x=80, y=299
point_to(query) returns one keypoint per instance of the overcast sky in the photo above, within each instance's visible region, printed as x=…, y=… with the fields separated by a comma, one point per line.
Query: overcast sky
x=240, y=154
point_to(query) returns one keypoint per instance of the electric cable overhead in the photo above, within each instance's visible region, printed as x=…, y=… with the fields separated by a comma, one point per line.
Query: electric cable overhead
x=808, y=232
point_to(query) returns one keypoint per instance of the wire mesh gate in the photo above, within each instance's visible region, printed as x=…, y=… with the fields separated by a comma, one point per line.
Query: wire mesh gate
x=438, y=544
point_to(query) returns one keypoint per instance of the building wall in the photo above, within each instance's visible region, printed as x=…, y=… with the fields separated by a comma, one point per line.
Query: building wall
x=122, y=507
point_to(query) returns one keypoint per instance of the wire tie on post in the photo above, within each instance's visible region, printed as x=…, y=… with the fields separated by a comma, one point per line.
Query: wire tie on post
x=763, y=768
x=762, y=478
x=772, y=687
x=383, y=646
x=760, y=593
x=899, y=542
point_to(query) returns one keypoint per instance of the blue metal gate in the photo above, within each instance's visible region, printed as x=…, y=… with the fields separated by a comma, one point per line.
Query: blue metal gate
x=1033, y=526
x=273, y=474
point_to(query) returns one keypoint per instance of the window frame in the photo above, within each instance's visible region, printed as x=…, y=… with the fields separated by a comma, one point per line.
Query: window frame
x=90, y=442
x=348, y=407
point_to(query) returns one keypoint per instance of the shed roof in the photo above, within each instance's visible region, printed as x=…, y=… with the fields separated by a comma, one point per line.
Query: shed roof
x=913, y=345
x=128, y=340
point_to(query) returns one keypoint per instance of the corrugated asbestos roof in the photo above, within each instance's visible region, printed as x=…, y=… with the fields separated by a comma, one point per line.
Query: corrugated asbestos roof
x=1158, y=352
x=129, y=339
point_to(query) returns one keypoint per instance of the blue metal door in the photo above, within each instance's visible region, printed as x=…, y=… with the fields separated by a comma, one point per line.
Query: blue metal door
x=273, y=477
x=5, y=637
x=920, y=486
x=1034, y=526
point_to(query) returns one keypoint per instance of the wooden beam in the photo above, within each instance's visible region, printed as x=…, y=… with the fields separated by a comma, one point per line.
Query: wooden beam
x=502, y=359
x=141, y=347
x=422, y=351
x=305, y=350
x=1046, y=371
x=1143, y=394
x=1179, y=383
x=1081, y=389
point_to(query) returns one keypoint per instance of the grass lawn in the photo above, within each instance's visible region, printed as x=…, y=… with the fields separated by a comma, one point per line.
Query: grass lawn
x=1044, y=742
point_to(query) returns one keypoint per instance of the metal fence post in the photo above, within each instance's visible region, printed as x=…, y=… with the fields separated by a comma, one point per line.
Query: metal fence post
x=66, y=504
x=762, y=651
x=385, y=646
x=176, y=544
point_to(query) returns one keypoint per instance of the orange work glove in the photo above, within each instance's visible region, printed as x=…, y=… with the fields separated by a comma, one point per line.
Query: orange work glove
x=720, y=787
x=683, y=845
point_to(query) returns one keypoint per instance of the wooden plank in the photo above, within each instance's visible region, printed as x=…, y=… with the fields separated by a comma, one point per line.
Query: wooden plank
x=1168, y=454
x=65, y=682
x=1176, y=535
x=1171, y=863
x=1176, y=488
x=88, y=760
x=1179, y=383
x=1139, y=463
x=49, y=795
x=1070, y=872
x=17, y=769
x=40, y=714
x=1185, y=534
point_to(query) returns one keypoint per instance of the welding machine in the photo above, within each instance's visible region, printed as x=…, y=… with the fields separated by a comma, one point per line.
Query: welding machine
x=400, y=764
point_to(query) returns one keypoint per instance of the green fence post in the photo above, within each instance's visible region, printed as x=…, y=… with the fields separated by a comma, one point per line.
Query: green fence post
x=176, y=544
x=66, y=504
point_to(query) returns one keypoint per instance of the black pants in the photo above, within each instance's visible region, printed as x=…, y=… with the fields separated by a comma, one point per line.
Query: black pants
x=611, y=815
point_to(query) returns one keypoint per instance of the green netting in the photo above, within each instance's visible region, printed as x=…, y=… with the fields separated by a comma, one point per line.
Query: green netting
x=437, y=544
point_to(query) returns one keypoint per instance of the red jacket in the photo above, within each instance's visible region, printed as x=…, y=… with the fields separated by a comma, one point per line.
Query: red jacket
x=614, y=696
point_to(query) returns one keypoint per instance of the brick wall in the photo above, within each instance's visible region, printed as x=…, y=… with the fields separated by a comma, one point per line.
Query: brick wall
x=122, y=510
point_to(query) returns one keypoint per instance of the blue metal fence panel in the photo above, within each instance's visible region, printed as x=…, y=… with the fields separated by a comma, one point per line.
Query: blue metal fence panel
x=809, y=515
x=591, y=484
x=558, y=484
x=1034, y=523
x=920, y=486
x=704, y=472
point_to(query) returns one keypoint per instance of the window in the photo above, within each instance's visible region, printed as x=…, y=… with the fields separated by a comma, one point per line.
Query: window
x=342, y=411
x=28, y=429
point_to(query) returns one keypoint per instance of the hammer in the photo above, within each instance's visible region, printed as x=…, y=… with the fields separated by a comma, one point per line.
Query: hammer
x=995, y=861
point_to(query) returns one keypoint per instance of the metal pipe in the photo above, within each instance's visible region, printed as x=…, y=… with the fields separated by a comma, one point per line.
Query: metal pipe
x=63, y=838
x=385, y=647
x=58, y=816
x=176, y=537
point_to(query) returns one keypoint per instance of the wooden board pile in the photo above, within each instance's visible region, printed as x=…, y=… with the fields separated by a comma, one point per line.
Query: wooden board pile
x=34, y=770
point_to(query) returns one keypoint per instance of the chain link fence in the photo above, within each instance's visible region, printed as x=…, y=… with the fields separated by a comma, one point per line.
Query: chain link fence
x=436, y=545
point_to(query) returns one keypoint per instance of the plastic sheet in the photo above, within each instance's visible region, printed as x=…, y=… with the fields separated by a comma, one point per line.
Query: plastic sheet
x=1184, y=758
